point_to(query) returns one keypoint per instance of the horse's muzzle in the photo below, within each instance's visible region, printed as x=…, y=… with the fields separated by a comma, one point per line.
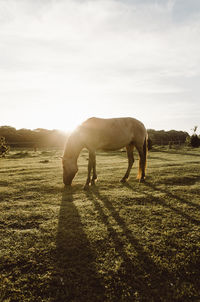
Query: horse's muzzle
x=67, y=183
x=67, y=180
x=68, y=177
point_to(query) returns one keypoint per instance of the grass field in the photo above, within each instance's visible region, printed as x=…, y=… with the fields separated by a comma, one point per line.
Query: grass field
x=114, y=242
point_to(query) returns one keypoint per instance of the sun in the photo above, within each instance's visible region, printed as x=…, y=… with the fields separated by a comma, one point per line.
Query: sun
x=66, y=117
x=69, y=124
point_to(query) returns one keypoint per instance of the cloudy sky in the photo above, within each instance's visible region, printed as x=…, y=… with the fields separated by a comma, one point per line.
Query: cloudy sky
x=62, y=61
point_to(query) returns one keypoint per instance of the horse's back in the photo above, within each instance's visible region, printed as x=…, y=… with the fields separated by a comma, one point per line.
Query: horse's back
x=112, y=133
x=119, y=123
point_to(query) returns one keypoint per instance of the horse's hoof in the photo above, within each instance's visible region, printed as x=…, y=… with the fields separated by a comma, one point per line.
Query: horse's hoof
x=123, y=180
x=142, y=180
x=86, y=187
x=93, y=182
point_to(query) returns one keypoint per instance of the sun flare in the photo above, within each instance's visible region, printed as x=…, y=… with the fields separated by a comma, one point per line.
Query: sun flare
x=67, y=117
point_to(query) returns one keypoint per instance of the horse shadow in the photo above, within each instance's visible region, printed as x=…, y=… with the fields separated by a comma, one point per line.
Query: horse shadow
x=179, y=152
x=162, y=202
x=182, y=200
x=76, y=277
x=138, y=275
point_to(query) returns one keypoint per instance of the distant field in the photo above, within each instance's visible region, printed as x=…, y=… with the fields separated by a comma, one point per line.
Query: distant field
x=114, y=242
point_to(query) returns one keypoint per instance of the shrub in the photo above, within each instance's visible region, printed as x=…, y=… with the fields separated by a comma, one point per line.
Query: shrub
x=194, y=141
x=4, y=148
x=149, y=144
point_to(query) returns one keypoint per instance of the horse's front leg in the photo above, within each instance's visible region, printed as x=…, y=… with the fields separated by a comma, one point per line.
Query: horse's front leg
x=94, y=177
x=91, y=165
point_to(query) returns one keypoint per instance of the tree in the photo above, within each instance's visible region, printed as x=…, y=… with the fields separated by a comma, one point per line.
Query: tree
x=194, y=129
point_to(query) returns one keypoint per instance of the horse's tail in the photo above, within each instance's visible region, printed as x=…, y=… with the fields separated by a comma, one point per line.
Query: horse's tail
x=143, y=159
x=145, y=149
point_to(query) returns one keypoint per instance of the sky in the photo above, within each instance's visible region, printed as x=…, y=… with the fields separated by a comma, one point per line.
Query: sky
x=63, y=61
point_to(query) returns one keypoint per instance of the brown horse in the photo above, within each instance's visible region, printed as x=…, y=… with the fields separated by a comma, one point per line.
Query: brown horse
x=107, y=135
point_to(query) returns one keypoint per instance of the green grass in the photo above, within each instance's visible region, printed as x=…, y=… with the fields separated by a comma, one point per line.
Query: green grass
x=114, y=242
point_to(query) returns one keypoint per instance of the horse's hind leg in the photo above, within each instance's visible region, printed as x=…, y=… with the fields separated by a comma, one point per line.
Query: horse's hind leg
x=142, y=162
x=129, y=150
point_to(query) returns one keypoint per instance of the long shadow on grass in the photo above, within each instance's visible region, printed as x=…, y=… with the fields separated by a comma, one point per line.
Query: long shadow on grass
x=150, y=157
x=189, y=271
x=177, y=152
x=77, y=279
x=138, y=278
x=175, y=196
x=162, y=202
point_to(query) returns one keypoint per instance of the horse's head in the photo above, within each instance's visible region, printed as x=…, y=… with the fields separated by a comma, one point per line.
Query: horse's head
x=69, y=170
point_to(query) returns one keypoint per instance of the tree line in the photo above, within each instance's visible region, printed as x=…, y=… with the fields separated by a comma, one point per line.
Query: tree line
x=54, y=138
x=162, y=137
x=32, y=138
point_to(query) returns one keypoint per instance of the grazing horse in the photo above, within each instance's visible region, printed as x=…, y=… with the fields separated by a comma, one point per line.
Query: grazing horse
x=107, y=135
